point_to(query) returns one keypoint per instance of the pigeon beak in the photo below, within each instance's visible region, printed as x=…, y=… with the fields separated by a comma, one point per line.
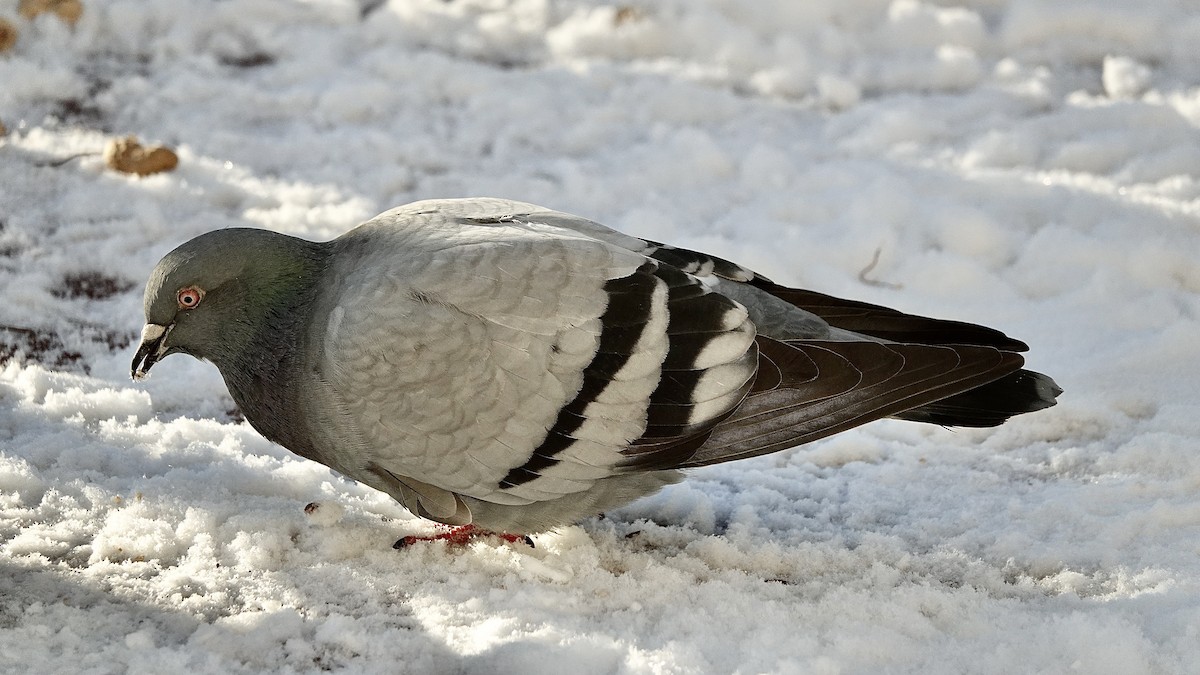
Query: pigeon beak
x=153, y=346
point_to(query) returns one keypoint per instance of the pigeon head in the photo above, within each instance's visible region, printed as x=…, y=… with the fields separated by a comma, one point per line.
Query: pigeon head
x=212, y=296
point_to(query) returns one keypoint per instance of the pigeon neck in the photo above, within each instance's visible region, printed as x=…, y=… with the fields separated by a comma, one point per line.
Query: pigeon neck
x=264, y=362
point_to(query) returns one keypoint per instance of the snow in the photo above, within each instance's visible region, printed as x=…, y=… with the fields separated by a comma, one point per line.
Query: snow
x=1028, y=165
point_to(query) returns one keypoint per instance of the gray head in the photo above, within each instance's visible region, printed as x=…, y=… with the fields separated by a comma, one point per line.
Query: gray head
x=214, y=295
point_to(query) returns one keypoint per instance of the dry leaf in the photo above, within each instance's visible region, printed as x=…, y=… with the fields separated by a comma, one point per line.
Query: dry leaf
x=8, y=36
x=67, y=10
x=626, y=15
x=128, y=156
x=3, y=130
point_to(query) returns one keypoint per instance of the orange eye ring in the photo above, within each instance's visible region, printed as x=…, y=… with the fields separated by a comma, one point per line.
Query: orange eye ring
x=189, y=297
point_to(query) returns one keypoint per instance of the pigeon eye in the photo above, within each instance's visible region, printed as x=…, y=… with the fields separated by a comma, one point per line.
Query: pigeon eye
x=190, y=297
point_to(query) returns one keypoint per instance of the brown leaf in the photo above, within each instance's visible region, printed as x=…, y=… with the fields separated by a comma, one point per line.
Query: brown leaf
x=128, y=156
x=67, y=10
x=8, y=36
x=626, y=15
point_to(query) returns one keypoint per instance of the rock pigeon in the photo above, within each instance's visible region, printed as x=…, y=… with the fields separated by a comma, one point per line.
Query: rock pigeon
x=503, y=366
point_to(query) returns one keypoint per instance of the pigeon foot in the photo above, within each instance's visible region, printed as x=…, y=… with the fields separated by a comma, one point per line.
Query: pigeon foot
x=458, y=536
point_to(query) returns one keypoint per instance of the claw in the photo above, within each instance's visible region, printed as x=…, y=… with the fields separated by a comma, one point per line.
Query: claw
x=457, y=536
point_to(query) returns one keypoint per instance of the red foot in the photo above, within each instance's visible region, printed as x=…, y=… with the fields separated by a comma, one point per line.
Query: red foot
x=461, y=535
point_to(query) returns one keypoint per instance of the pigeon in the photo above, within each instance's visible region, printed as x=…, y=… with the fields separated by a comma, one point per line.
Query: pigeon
x=501, y=366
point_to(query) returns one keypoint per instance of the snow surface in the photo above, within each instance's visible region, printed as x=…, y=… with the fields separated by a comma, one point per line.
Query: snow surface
x=1034, y=166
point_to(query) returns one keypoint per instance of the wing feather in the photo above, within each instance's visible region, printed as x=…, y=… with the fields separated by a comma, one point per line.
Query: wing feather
x=883, y=379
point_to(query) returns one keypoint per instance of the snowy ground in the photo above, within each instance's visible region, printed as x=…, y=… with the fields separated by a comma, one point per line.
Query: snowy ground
x=1030, y=165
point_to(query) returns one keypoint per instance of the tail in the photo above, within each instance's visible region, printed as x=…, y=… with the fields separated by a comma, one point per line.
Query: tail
x=987, y=405
x=991, y=404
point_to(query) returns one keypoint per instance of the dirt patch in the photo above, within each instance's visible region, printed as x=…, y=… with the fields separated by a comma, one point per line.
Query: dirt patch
x=49, y=348
x=90, y=285
x=44, y=347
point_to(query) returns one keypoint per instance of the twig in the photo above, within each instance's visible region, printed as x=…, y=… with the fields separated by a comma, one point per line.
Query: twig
x=862, y=275
x=64, y=160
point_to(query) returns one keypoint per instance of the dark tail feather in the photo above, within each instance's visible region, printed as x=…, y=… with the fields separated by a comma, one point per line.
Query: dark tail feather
x=889, y=324
x=987, y=405
x=810, y=389
x=991, y=404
